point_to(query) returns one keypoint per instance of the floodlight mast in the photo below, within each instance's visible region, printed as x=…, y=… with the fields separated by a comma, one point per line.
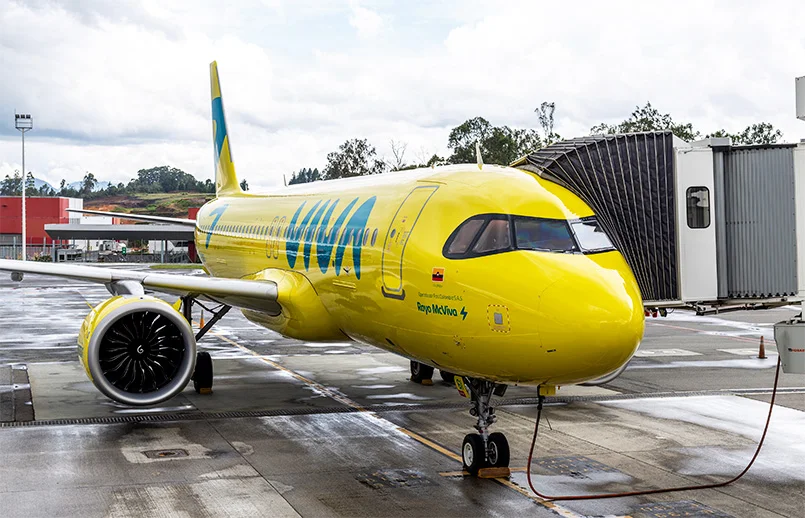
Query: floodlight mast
x=23, y=122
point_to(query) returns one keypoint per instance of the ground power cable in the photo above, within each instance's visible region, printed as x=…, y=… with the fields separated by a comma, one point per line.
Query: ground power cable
x=649, y=491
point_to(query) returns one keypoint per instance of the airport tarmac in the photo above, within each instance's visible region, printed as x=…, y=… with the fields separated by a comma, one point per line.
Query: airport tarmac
x=302, y=429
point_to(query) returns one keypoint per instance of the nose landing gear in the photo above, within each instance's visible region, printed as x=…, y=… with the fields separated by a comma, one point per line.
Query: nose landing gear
x=484, y=450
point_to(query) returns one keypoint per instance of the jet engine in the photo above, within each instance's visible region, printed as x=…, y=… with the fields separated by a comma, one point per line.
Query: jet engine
x=138, y=350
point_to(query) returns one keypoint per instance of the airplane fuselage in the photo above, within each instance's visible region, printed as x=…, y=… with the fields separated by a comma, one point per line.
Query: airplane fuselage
x=364, y=258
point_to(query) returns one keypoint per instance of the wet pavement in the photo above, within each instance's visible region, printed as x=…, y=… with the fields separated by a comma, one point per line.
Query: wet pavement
x=303, y=429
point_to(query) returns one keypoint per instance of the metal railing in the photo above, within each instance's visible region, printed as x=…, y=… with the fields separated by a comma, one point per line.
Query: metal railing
x=51, y=252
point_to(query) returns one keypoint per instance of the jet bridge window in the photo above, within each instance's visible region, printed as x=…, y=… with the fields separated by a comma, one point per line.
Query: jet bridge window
x=698, y=201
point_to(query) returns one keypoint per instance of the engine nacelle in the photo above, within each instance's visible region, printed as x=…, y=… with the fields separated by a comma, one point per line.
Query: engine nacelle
x=137, y=350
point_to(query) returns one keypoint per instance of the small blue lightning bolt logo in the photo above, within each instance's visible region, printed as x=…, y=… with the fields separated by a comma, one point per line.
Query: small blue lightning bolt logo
x=463, y=313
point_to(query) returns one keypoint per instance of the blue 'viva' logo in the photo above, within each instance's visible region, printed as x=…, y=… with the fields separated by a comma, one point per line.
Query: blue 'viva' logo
x=300, y=235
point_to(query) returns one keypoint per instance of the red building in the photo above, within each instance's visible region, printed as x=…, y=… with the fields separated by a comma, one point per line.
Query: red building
x=40, y=212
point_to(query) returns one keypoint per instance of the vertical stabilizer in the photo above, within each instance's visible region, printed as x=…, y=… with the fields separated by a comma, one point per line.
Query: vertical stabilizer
x=226, y=182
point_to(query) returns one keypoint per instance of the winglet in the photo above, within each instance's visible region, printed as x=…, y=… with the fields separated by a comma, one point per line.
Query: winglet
x=226, y=182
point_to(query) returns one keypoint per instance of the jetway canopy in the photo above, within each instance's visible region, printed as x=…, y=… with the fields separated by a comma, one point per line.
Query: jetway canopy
x=700, y=222
x=628, y=181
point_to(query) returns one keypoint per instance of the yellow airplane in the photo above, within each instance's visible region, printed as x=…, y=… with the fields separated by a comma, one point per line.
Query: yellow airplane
x=490, y=274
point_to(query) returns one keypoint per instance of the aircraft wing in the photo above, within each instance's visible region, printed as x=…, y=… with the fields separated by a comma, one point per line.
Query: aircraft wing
x=248, y=294
x=137, y=217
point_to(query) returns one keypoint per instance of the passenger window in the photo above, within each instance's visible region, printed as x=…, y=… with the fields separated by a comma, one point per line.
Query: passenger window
x=374, y=237
x=463, y=237
x=551, y=235
x=698, y=202
x=496, y=236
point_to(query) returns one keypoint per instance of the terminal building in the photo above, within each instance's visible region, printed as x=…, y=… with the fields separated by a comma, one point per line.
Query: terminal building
x=59, y=235
x=41, y=211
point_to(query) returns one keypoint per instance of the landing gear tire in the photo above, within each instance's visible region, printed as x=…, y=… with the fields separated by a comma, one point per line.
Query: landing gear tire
x=449, y=377
x=202, y=377
x=472, y=453
x=484, y=450
x=498, y=450
x=421, y=372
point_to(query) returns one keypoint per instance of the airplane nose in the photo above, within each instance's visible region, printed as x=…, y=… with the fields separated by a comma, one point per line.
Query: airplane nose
x=597, y=313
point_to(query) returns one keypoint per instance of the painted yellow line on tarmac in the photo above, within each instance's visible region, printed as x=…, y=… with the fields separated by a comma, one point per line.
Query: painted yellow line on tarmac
x=341, y=398
x=307, y=381
x=430, y=444
x=466, y=474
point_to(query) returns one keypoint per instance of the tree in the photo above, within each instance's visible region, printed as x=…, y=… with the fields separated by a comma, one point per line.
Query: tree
x=165, y=178
x=355, y=157
x=65, y=190
x=11, y=186
x=760, y=133
x=545, y=114
x=244, y=185
x=45, y=190
x=648, y=118
x=305, y=175
x=88, y=184
x=397, y=162
x=499, y=145
x=30, y=185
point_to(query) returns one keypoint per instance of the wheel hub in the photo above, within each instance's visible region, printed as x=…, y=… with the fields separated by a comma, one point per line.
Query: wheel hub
x=469, y=454
x=492, y=453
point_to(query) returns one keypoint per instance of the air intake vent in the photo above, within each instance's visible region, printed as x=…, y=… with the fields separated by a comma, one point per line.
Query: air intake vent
x=628, y=181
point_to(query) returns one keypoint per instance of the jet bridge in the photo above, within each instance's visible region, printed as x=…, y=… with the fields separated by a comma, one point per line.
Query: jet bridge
x=701, y=223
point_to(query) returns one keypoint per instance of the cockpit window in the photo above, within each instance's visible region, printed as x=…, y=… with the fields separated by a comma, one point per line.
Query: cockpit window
x=463, y=237
x=551, y=235
x=487, y=234
x=496, y=236
x=591, y=236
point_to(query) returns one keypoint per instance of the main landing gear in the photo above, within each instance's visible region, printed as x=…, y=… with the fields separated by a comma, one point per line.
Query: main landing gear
x=484, y=450
x=423, y=374
x=202, y=376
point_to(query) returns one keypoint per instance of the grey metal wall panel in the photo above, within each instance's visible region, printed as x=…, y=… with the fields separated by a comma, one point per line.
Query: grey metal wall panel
x=720, y=221
x=760, y=222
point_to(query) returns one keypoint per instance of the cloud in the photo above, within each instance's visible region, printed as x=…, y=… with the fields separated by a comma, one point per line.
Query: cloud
x=367, y=22
x=116, y=87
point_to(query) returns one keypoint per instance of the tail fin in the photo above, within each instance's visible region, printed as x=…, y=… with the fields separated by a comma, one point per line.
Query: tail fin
x=226, y=182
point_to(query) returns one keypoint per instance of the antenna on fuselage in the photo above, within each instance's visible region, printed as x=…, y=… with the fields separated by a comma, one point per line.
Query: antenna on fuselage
x=284, y=182
x=478, y=156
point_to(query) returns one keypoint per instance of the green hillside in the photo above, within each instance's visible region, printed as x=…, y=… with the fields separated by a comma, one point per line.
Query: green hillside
x=173, y=204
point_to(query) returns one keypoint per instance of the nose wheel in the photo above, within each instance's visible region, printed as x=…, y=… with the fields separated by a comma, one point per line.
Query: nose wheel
x=484, y=450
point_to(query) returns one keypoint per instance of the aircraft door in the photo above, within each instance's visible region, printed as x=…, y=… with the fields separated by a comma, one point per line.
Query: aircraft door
x=397, y=236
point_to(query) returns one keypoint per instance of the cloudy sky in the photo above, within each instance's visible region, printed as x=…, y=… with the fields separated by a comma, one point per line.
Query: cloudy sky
x=116, y=86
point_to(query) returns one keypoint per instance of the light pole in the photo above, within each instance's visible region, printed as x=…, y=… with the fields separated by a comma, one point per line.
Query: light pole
x=23, y=122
